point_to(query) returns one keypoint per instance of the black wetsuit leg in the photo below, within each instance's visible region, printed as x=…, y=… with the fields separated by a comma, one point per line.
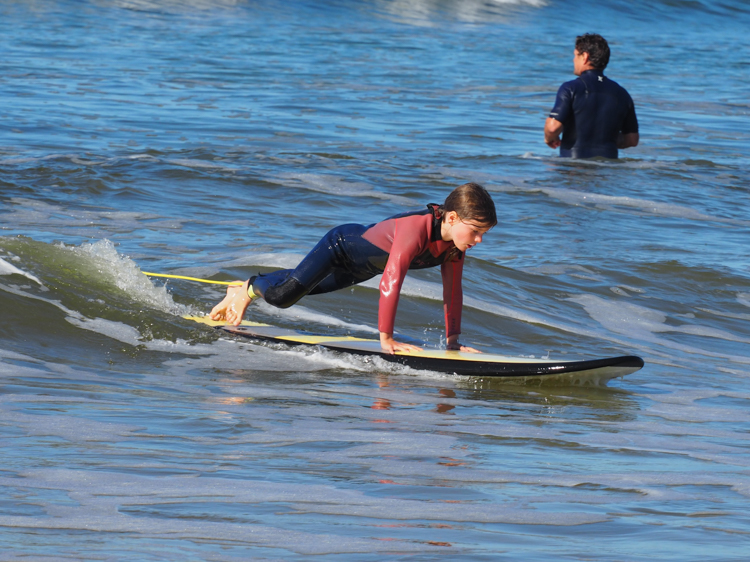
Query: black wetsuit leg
x=341, y=259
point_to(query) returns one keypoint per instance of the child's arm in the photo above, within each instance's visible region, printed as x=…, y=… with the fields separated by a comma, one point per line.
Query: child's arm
x=409, y=239
x=453, y=295
x=390, y=290
x=453, y=300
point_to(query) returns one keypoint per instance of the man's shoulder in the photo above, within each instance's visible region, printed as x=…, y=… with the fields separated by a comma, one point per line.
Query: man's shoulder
x=612, y=83
x=617, y=88
x=571, y=84
x=569, y=90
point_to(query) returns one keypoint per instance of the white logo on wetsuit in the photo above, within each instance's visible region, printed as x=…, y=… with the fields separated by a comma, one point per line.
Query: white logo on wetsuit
x=601, y=79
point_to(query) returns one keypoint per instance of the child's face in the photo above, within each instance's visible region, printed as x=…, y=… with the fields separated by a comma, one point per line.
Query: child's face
x=465, y=234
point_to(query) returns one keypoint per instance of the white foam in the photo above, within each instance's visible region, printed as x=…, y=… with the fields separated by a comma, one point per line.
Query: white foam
x=299, y=312
x=273, y=260
x=278, y=260
x=176, y=6
x=434, y=291
x=112, y=329
x=422, y=12
x=336, y=185
x=610, y=202
x=126, y=275
x=71, y=428
x=202, y=164
x=115, y=330
x=10, y=269
x=578, y=271
x=102, y=500
x=738, y=316
x=632, y=319
x=575, y=197
x=643, y=323
x=29, y=213
x=400, y=509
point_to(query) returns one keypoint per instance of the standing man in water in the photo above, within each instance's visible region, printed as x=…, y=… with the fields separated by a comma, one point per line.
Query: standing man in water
x=595, y=114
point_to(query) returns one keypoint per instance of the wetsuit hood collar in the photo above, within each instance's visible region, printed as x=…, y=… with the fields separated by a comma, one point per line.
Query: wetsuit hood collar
x=437, y=218
x=597, y=71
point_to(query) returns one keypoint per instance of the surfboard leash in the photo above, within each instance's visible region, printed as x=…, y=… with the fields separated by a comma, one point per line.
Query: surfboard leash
x=233, y=283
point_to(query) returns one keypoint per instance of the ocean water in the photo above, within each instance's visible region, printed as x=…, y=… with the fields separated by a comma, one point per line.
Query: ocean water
x=222, y=138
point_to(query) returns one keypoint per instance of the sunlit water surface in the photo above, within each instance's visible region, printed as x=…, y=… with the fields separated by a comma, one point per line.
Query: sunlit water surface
x=219, y=139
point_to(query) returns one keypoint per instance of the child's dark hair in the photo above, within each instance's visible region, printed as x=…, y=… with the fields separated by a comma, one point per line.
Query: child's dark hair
x=471, y=202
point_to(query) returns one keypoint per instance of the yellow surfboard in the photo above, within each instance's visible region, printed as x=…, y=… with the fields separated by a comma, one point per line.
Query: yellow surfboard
x=442, y=361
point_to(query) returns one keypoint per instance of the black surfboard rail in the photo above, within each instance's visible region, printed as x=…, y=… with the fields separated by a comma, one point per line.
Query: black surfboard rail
x=492, y=369
x=442, y=361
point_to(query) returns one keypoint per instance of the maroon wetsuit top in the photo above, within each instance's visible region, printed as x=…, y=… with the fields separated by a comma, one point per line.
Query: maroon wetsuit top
x=413, y=241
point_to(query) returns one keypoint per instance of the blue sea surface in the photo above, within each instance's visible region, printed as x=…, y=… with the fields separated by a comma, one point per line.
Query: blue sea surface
x=221, y=138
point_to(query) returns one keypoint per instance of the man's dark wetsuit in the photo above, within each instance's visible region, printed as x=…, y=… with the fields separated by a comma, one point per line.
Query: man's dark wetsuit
x=594, y=110
x=352, y=253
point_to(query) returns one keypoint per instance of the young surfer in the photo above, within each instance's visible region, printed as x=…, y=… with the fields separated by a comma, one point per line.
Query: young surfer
x=352, y=253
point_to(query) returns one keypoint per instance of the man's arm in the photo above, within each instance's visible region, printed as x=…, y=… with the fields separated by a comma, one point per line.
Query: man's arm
x=552, y=130
x=627, y=140
x=629, y=135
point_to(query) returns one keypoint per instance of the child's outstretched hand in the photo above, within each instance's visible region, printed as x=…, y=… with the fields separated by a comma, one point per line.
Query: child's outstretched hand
x=232, y=308
x=391, y=346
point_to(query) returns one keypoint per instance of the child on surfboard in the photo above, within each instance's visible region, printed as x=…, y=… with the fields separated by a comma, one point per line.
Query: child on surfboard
x=353, y=253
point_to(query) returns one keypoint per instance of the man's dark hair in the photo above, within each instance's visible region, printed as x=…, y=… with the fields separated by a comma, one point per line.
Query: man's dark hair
x=597, y=48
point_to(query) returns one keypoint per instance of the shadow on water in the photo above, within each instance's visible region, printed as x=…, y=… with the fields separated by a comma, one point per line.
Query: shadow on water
x=532, y=390
x=602, y=404
x=463, y=395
